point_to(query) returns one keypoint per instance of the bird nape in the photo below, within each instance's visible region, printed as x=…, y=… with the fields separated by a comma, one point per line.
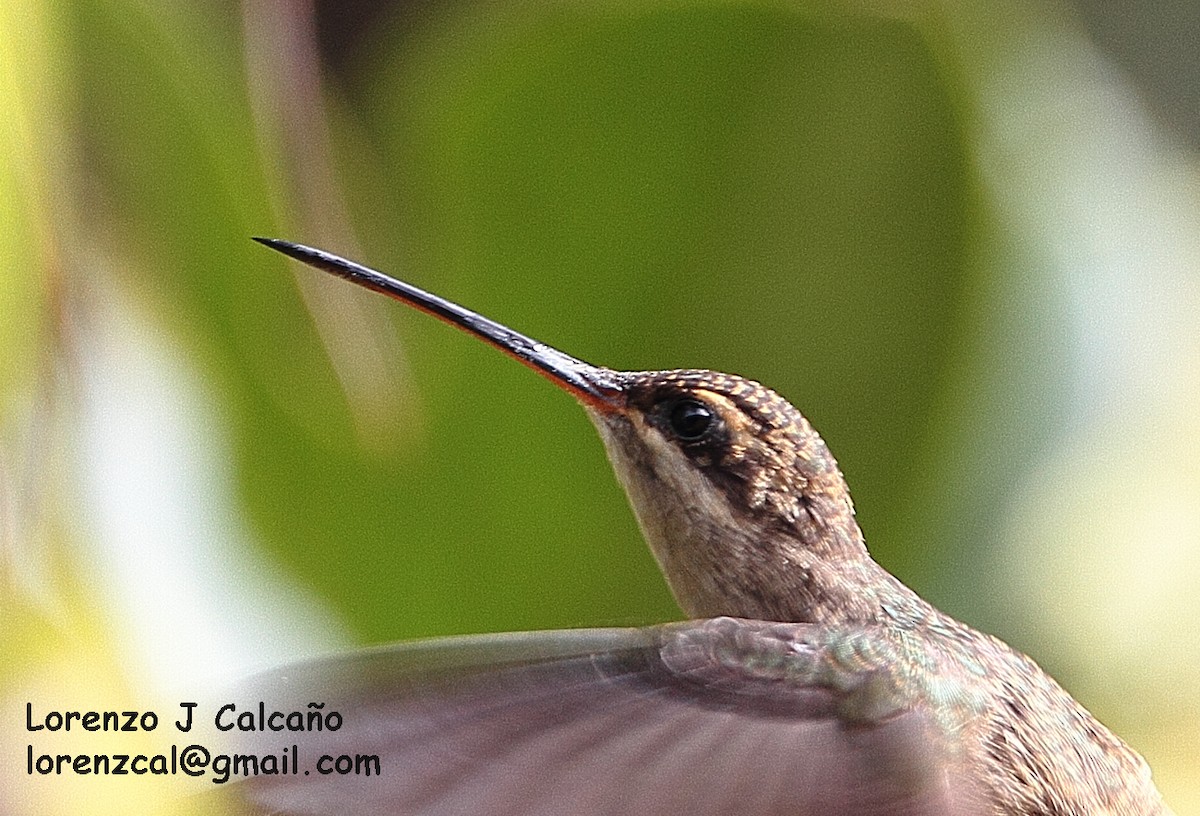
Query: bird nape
x=809, y=681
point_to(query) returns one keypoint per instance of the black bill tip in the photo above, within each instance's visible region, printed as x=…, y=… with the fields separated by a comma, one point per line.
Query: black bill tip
x=599, y=387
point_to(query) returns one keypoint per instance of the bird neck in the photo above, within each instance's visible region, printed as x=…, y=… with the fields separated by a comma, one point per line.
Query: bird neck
x=720, y=559
x=815, y=569
x=776, y=540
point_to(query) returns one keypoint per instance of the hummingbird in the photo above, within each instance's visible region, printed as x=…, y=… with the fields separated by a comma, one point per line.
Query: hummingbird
x=807, y=680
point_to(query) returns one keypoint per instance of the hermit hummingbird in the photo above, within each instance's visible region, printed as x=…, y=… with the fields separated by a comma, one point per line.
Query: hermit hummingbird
x=808, y=680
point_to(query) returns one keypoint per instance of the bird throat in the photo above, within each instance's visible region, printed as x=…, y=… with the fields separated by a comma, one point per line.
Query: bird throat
x=721, y=557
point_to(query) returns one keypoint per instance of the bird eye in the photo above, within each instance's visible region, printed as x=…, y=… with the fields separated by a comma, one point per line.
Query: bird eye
x=690, y=420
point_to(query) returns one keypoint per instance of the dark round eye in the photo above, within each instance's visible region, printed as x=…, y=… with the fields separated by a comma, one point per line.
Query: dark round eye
x=690, y=420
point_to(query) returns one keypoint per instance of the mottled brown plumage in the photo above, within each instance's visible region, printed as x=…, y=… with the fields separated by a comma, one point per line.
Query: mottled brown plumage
x=810, y=682
x=792, y=551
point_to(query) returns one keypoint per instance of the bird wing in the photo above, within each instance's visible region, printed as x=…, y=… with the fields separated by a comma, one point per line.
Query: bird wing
x=719, y=716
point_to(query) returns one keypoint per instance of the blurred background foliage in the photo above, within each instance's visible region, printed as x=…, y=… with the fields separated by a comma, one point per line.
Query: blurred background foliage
x=962, y=238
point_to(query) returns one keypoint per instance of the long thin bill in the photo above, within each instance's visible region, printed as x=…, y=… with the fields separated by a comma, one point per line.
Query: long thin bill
x=597, y=386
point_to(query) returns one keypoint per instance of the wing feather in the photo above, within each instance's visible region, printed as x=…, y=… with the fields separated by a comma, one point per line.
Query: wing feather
x=705, y=718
